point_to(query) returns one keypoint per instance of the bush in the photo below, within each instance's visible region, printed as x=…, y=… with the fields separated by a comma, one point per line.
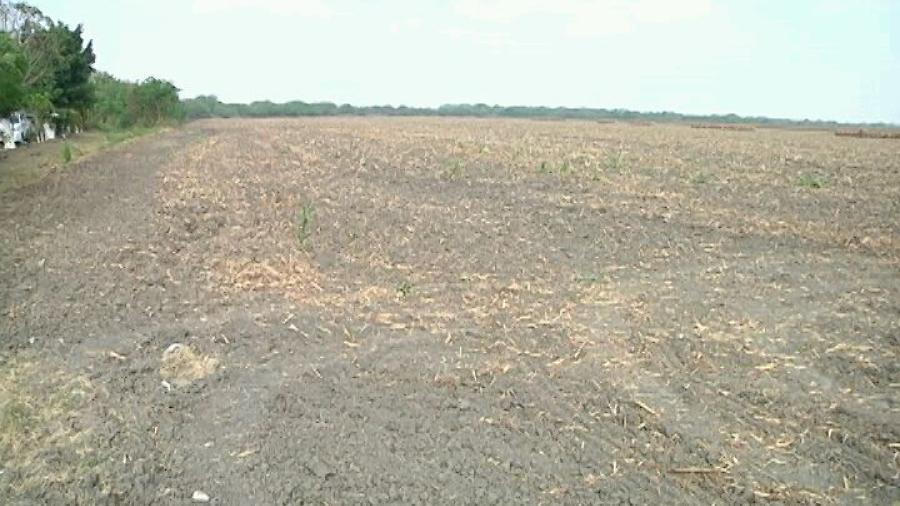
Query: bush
x=123, y=104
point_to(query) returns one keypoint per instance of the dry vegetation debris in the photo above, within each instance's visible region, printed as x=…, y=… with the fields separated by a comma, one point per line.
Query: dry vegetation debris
x=579, y=311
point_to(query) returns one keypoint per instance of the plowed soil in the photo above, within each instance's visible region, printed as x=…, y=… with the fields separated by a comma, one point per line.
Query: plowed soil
x=449, y=311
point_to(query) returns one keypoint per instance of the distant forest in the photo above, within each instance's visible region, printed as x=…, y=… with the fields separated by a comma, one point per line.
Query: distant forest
x=209, y=106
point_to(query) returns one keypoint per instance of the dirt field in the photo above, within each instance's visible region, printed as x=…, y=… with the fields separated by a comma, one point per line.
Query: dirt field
x=421, y=311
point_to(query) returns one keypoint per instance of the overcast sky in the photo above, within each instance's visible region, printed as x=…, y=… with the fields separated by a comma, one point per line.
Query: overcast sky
x=825, y=59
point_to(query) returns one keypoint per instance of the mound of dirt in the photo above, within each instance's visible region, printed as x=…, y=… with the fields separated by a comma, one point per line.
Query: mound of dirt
x=181, y=366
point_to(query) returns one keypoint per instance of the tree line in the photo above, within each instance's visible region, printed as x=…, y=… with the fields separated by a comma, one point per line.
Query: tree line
x=47, y=70
x=209, y=106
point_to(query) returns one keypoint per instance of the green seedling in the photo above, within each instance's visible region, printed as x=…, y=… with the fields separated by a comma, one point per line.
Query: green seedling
x=304, y=223
x=405, y=289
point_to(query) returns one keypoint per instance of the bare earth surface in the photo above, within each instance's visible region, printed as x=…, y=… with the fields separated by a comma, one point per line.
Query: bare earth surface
x=455, y=311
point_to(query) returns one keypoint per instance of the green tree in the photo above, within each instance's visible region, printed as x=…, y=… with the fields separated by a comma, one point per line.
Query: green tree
x=59, y=63
x=72, y=72
x=110, y=108
x=12, y=75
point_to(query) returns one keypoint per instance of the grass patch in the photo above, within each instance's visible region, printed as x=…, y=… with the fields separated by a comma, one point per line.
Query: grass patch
x=114, y=137
x=614, y=161
x=453, y=168
x=549, y=168
x=39, y=412
x=702, y=178
x=812, y=181
x=32, y=163
x=587, y=279
x=66, y=152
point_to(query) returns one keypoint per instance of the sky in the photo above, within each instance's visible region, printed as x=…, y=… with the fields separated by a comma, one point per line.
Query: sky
x=825, y=59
